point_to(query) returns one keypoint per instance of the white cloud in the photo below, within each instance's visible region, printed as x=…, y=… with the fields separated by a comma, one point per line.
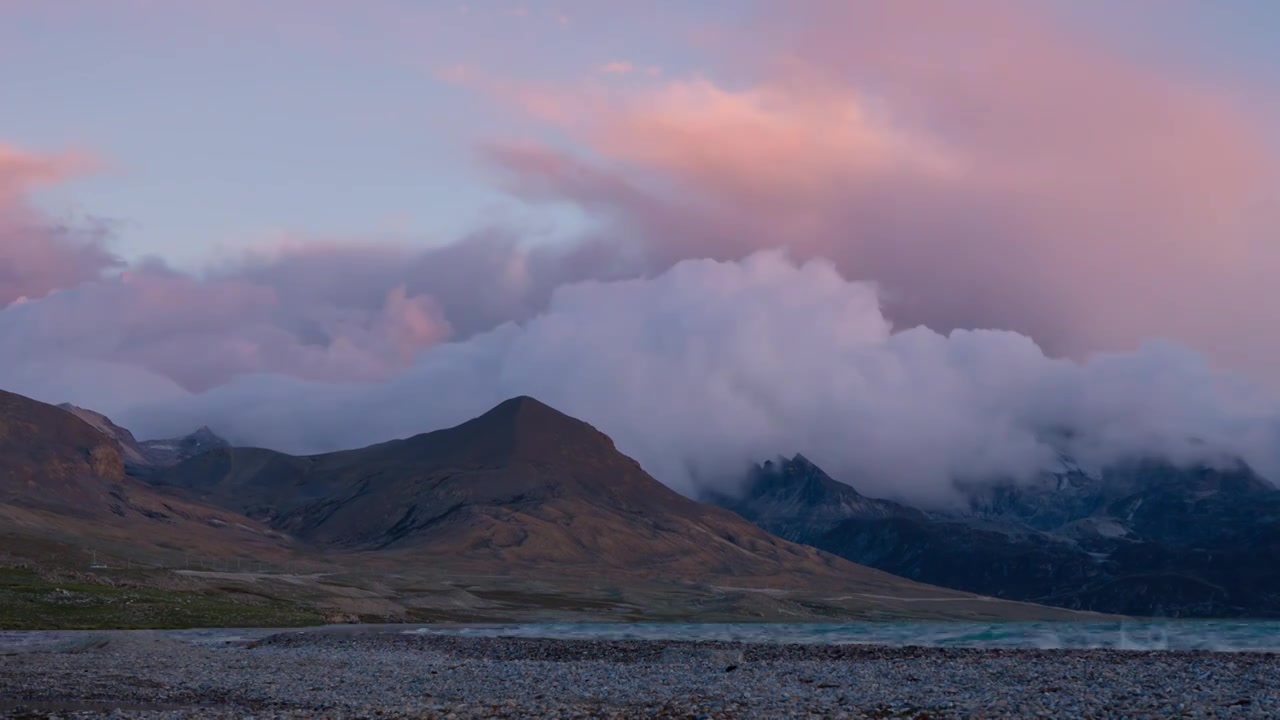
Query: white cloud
x=711, y=365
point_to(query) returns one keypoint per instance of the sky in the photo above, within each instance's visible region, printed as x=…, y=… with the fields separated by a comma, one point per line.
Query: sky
x=410, y=205
x=221, y=124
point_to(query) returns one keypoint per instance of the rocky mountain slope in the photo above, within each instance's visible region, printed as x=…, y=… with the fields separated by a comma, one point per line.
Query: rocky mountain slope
x=141, y=455
x=62, y=478
x=795, y=500
x=1143, y=538
x=521, y=514
x=522, y=485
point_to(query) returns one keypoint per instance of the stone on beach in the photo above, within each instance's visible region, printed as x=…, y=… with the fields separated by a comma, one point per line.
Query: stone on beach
x=396, y=675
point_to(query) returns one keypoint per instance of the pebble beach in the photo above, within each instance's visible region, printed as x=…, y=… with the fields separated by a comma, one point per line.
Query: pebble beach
x=396, y=675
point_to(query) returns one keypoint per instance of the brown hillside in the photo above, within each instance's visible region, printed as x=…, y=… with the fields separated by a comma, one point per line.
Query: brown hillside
x=522, y=486
x=523, y=512
x=61, y=477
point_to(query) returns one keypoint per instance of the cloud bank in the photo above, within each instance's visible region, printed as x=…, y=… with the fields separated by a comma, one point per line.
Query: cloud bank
x=1077, y=194
x=711, y=364
x=1108, y=216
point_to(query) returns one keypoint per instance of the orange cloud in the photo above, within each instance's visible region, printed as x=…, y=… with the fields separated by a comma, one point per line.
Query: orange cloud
x=39, y=255
x=765, y=142
x=617, y=67
x=22, y=171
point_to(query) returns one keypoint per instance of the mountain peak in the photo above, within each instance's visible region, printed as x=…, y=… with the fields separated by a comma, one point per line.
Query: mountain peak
x=525, y=409
x=206, y=436
x=519, y=429
x=799, y=474
x=796, y=498
x=801, y=462
x=526, y=428
x=519, y=455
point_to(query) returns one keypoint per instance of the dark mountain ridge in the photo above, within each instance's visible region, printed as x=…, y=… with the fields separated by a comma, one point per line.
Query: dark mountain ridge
x=793, y=498
x=141, y=455
x=1146, y=537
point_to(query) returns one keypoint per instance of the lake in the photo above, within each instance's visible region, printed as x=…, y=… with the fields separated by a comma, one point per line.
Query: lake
x=1214, y=635
x=1217, y=635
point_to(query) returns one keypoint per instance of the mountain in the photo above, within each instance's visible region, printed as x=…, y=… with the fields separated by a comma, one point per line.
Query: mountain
x=521, y=514
x=172, y=451
x=54, y=459
x=140, y=455
x=131, y=451
x=521, y=485
x=794, y=499
x=1145, y=538
x=526, y=491
x=62, y=477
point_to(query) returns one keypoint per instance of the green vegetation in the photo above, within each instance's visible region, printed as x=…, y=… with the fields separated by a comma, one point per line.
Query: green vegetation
x=29, y=602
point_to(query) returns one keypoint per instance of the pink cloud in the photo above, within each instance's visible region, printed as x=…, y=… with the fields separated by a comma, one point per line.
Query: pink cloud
x=984, y=163
x=327, y=311
x=202, y=332
x=1077, y=195
x=617, y=67
x=711, y=137
x=21, y=171
x=38, y=254
x=989, y=164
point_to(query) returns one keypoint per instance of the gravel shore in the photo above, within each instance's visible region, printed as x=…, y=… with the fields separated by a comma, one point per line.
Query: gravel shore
x=380, y=675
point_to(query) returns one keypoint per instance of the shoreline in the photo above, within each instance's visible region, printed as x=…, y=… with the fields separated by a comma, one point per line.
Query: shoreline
x=1125, y=634
x=299, y=674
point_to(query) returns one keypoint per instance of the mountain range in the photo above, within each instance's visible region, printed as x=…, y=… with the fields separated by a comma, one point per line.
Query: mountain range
x=1140, y=538
x=525, y=491
x=521, y=513
x=62, y=479
x=139, y=455
x=521, y=484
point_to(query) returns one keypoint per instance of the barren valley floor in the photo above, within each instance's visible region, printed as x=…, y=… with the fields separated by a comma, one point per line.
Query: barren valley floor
x=381, y=674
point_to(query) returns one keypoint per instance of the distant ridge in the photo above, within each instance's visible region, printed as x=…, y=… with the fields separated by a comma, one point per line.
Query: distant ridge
x=148, y=453
x=60, y=475
x=1141, y=538
x=794, y=499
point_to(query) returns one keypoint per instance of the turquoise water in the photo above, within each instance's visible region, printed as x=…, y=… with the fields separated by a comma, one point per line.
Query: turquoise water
x=1214, y=635
x=1217, y=635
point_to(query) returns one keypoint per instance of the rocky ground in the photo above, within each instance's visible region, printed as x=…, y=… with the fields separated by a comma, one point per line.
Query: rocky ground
x=382, y=675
